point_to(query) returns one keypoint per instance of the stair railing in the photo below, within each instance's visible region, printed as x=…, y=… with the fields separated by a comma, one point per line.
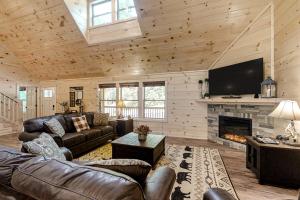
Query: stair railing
x=10, y=109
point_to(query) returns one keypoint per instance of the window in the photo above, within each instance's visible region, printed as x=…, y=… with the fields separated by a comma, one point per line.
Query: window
x=48, y=93
x=154, y=100
x=139, y=100
x=110, y=11
x=125, y=9
x=23, y=98
x=129, y=93
x=108, y=99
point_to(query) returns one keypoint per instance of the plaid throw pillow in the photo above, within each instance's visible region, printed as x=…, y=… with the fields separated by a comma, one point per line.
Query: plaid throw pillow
x=80, y=123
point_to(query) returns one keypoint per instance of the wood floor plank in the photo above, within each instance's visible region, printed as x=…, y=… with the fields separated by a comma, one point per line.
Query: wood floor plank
x=244, y=181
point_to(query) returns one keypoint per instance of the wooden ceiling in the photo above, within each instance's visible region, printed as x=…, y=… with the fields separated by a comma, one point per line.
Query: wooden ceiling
x=178, y=35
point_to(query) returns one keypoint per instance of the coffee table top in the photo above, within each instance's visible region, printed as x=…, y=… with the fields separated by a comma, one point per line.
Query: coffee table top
x=131, y=139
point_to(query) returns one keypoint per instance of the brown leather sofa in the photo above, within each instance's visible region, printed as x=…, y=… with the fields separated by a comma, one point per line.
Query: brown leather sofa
x=78, y=143
x=28, y=177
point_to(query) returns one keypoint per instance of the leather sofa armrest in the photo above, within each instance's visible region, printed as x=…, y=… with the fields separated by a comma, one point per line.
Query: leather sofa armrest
x=26, y=137
x=113, y=123
x=68, y=154
x=217, y=194
x=159, y=186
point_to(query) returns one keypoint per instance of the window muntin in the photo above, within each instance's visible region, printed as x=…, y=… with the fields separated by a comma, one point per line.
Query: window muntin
x=108, y=99
x=154, y=100
x=110, y=11
x=129, y=93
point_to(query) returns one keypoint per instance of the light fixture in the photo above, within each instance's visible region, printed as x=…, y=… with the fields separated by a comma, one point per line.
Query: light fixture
x=120, y=106
x=288, y=110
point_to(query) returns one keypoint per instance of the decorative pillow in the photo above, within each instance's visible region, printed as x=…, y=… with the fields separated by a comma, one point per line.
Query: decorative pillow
x=45, y=146
x=80, y=123
x=136, y=169
x=101, y=119
x=55, y=127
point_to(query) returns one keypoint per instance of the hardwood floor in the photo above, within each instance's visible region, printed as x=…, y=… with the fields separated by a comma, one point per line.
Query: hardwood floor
x=244, y=181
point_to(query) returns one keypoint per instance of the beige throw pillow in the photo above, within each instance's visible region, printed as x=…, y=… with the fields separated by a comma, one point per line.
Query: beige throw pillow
x=101, y=119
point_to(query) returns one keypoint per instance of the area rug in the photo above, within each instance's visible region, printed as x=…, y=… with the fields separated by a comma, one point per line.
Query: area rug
x=197, y=169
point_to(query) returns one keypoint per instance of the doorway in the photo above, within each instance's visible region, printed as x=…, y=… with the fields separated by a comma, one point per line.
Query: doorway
x=28, y=98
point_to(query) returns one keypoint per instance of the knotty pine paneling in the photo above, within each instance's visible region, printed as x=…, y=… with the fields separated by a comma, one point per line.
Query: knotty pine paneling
x=255, y=43
x=178, y=36
x=12, y=73
x=287, y=48
x=185, y=117
x=79, y=11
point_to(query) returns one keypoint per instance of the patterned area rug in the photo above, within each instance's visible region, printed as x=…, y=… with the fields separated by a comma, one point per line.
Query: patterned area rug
x=197, y=169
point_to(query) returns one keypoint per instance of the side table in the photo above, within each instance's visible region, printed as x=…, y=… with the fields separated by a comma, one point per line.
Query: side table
x=124, y=126
x=274, y=164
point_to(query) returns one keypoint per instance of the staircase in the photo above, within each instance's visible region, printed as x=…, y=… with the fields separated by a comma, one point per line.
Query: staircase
x=10, y=115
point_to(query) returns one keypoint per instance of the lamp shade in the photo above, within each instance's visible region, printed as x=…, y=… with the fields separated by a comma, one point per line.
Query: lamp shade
x=287, y=110
x=121, y=104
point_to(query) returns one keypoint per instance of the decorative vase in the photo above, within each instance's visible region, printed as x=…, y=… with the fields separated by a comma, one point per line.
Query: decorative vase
x=142, y=136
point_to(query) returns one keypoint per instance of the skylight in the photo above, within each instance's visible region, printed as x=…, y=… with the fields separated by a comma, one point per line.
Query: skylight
x=111, y=11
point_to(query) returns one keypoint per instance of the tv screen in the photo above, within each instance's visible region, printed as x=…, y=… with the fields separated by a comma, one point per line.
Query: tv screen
x=238, y=79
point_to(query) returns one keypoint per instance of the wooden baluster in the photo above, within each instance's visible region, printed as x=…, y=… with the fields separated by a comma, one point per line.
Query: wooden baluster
x=1, y=103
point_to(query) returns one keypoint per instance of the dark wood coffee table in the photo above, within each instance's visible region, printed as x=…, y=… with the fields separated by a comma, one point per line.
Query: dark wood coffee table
x=130, y=147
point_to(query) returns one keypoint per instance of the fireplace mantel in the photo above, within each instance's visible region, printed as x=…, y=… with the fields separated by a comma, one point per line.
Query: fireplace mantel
x=242, y=101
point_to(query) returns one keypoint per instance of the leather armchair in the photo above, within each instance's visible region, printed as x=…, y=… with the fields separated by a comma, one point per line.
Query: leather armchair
x=159, y=186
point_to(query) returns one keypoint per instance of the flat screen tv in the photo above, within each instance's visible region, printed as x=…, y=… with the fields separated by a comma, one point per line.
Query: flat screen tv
x=237, y=79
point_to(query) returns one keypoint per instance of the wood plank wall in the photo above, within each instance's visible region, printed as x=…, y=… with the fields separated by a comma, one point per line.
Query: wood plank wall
x=79, y=11
x=254, y=43
x=185, y=117
x=12, y=73
x=287, y=48
x=178, y=36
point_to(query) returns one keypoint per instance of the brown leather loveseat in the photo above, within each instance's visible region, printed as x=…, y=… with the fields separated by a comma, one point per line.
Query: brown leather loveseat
x=28, y=177
x=78, y=143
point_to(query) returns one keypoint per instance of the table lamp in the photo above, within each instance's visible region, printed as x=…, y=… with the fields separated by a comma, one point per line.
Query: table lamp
x=288, y=110
x=120, y=105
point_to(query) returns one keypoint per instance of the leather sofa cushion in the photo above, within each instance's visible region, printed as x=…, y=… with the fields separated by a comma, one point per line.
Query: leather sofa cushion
x=69, y=122
x=72, y=139
x=10, y=159
x=37, y=124
x=136, y=169
x=8, y=193
x=92, y=134
x=53, y=179
x=105, y=129
x=89, y=117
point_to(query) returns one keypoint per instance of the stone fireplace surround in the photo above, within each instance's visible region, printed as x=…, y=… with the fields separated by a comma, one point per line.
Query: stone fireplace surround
x=261, y=123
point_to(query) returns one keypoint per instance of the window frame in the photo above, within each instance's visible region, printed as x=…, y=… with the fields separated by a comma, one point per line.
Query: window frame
x=100, y=101
x=130, y=84
x=141, y=99
x=144, y=100
x=114, y=14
